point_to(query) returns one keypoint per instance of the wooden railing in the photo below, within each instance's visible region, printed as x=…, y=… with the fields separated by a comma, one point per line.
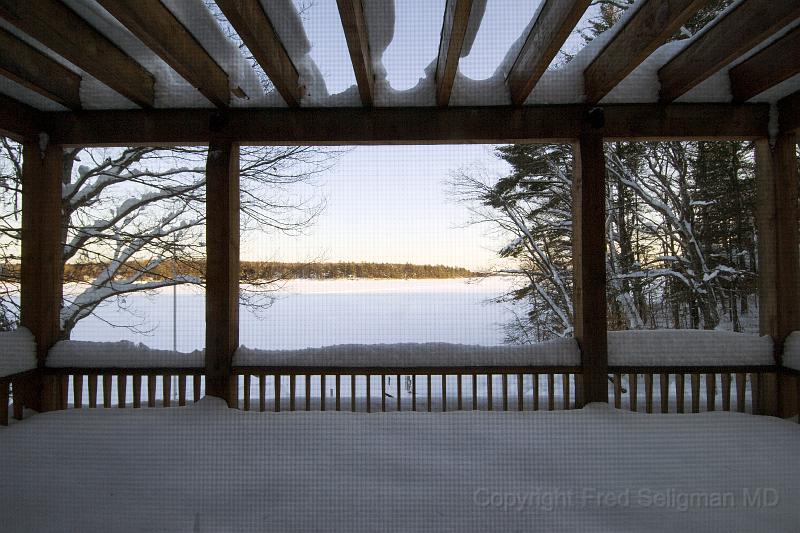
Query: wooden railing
x=689, y=389
x=427, y=389
x=8, y=390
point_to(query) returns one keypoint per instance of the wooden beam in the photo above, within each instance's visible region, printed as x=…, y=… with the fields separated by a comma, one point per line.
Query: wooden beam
x=779, y=260
x=19, y=121
x=789, y=113
x=650, y=26
x=32, y=69
x=59, y=28
x=163, y=33
x=351, y=13
x=777, y=62
x=222, y=268
x=556, y=20
x=746, y=25
x=254, y=27
x=42, y=266
x=589, y=263
x=454, y=28
x=452, y=125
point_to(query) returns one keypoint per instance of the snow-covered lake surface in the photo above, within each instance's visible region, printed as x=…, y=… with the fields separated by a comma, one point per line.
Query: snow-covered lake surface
x=314, y=313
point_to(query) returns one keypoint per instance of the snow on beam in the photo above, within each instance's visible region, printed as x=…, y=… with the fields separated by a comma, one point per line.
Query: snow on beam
x=355, y=31
x=650, y=27
x=744, y=27
x=777, y=62
x=162, y=32
x=789, y=113
x=34, y=70
x=17, y=120
x=59, y=28
x=556, y=20
x=258, y=34
x=454, y=28
x=410, y=125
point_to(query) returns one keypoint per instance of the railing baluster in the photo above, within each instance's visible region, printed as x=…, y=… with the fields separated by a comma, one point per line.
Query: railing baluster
x=106, y=390
x=565, y=387
x=444, y=392
x=551, y=392
x=535, y=387
x=353, y=393
x=338, y=392
x=196, y=386
x=166, y=390
x=16, y=408
x=383, y=393
x=322, y=392
x=520, y=393
x=741, y=380
x=505, y=392
x=307, y=381
x=292, y=391
x=711, y=391
x=369, y=392
x=429, y=393
x=413, y=392
x=648, y=392
x=92, y=382
x=4, y=397
x=181, y=389
x=276, y=389
x=460, y=386
x=618, y=391
x=797, y=392
x=137, y=391
x=679, y=385
x=64, y=390
x=122, y=383
x=151, y=390
x=262, y=393
x=663, y=382
x=489, y=393
x=474, y=392
x=246, y=392
x=77, y=391
x=399, y=402
x=726, y=391
x=695, y=393
x=755, y=389
x=633, y=391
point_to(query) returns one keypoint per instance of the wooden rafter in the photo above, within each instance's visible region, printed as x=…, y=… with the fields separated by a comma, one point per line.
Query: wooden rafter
x=163, y=33
x=650, y=27
x=18, y=121
x=746, y=25
x=454, y=28
x=777, y=62
x=59, y=28
x=789, y=113
x=344, y=126
x=355, y=31
x=254, y=27
x=34, y=70
x=556, y=20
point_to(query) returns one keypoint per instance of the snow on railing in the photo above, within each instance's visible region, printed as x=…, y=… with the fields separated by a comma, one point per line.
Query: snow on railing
x=122, y=354
x=17, y=352
x=791, y=351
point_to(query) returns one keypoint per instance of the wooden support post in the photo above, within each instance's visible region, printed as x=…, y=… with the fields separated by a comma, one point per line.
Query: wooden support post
x=42, y=262
x=779, y=265
x=222, y=274
x=589, y=263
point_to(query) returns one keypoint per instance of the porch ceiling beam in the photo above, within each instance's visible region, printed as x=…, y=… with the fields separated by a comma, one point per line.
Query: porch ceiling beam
x=454, y=29
x=60, y=29
x=777, y=62
x=351, y=13
x=163, y=33
x=556, y=20
x=789, y=113
x=744, y=27
x=18, y=121
x=254, y=27
x=413, y=125
x=650, y=27
x=34, y=70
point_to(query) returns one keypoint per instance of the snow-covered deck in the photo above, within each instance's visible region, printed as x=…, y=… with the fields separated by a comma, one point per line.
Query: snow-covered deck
x=210, y=468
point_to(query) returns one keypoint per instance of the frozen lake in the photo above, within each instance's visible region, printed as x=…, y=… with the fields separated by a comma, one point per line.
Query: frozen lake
x=313, y=313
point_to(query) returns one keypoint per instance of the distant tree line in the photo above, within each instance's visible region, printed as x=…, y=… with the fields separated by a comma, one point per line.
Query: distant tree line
x=253, y=271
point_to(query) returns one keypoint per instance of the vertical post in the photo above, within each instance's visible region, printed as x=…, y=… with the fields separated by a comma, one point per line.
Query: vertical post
x=779, y=265
x=589, y=263
x=42, y=261
x=222, y=270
